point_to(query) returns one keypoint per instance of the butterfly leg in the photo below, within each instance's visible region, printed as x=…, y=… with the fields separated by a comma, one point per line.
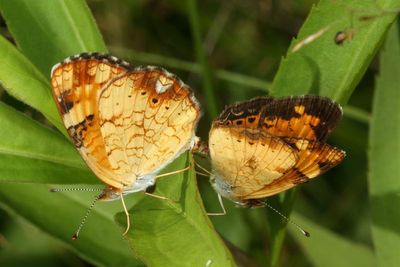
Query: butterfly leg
x=159, y=197
x=207, y=173
x=221, y=203
x=174, y=172
x=128, y=220
x=202, y=174
x=149, y=192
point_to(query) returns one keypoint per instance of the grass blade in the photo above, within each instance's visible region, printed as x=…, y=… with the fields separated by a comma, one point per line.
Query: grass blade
x=59, y=214
x=48, y=31
x=384, y=155
x=37, y=154
x=16, y=72
x=328, y=253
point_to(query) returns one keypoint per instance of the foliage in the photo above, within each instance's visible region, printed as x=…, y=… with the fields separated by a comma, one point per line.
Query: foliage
x=231, y=44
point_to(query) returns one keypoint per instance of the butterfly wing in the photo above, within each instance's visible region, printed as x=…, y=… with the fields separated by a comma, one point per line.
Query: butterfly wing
x=302, y=117
x=147, y=118
x=76, y=83
x=314, y=159
x=247, y=159
x=290, y=121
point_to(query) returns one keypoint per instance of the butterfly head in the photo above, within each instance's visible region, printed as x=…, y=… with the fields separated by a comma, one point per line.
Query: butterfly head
x=110, y=193
x=221, y=186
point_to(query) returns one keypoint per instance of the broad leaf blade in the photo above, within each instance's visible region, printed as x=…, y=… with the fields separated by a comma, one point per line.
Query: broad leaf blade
x=59, y=214
x=384, y=155
x=325, y=68
x=37, y=154
x=28, y=246
x=48, y=31
x=326, y=249
x=164, y=233
x=24, y=81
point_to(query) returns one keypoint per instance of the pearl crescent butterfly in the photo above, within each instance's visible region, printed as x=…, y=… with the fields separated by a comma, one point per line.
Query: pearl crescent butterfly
x=266, y=145
x=127, y=123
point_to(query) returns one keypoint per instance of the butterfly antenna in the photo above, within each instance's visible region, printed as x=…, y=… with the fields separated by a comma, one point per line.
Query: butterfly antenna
x=76, y=235
x=304, y=232
x=53, y=190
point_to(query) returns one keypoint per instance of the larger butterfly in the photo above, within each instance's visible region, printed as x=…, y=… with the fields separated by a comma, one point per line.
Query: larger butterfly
x=267, y=145
x=127, y=123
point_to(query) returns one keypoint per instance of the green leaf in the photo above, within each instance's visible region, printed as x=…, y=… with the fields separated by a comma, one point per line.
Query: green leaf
x=322, y=67
x=325, y=68
x=59, y=214
x=37, y=154
x=28, y=246
x=165, y=233
x=48, y=31
x=327, y=249
x=384, y=155
x=23, y=81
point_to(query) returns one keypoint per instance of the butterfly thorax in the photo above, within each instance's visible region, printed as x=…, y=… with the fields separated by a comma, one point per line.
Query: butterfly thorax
x=222, y=186
x=141, y=184
x=228, y=191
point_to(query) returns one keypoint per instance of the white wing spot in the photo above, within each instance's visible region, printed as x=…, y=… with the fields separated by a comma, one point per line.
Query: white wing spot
x=163, y=84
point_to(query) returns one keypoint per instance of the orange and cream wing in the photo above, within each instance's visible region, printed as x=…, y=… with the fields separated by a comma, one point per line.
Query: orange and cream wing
x=248, y=160
x=147, y=118
x=314, y=159
x=266, y=145
x=76, y=83
x=127, y=123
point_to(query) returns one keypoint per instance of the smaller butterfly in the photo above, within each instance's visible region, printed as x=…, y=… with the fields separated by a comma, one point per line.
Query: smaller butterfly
x=127, y=123
x=266, y=145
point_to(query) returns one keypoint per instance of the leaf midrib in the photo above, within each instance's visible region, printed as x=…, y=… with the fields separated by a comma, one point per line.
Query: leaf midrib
x=73, y=26
x=36, y=156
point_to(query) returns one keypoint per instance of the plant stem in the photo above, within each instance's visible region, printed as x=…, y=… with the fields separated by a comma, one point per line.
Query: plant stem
x=201, y=58
x=277, y=227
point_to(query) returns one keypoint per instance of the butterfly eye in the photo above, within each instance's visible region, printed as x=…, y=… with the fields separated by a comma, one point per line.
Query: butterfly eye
x=251, y=119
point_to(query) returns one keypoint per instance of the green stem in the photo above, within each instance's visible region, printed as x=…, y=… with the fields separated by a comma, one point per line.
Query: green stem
x=357, y=114
x=277, y=226
x=224, y=75
x=201, y=58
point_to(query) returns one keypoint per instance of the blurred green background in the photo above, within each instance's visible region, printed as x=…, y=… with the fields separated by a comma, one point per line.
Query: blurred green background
x=244, y=42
